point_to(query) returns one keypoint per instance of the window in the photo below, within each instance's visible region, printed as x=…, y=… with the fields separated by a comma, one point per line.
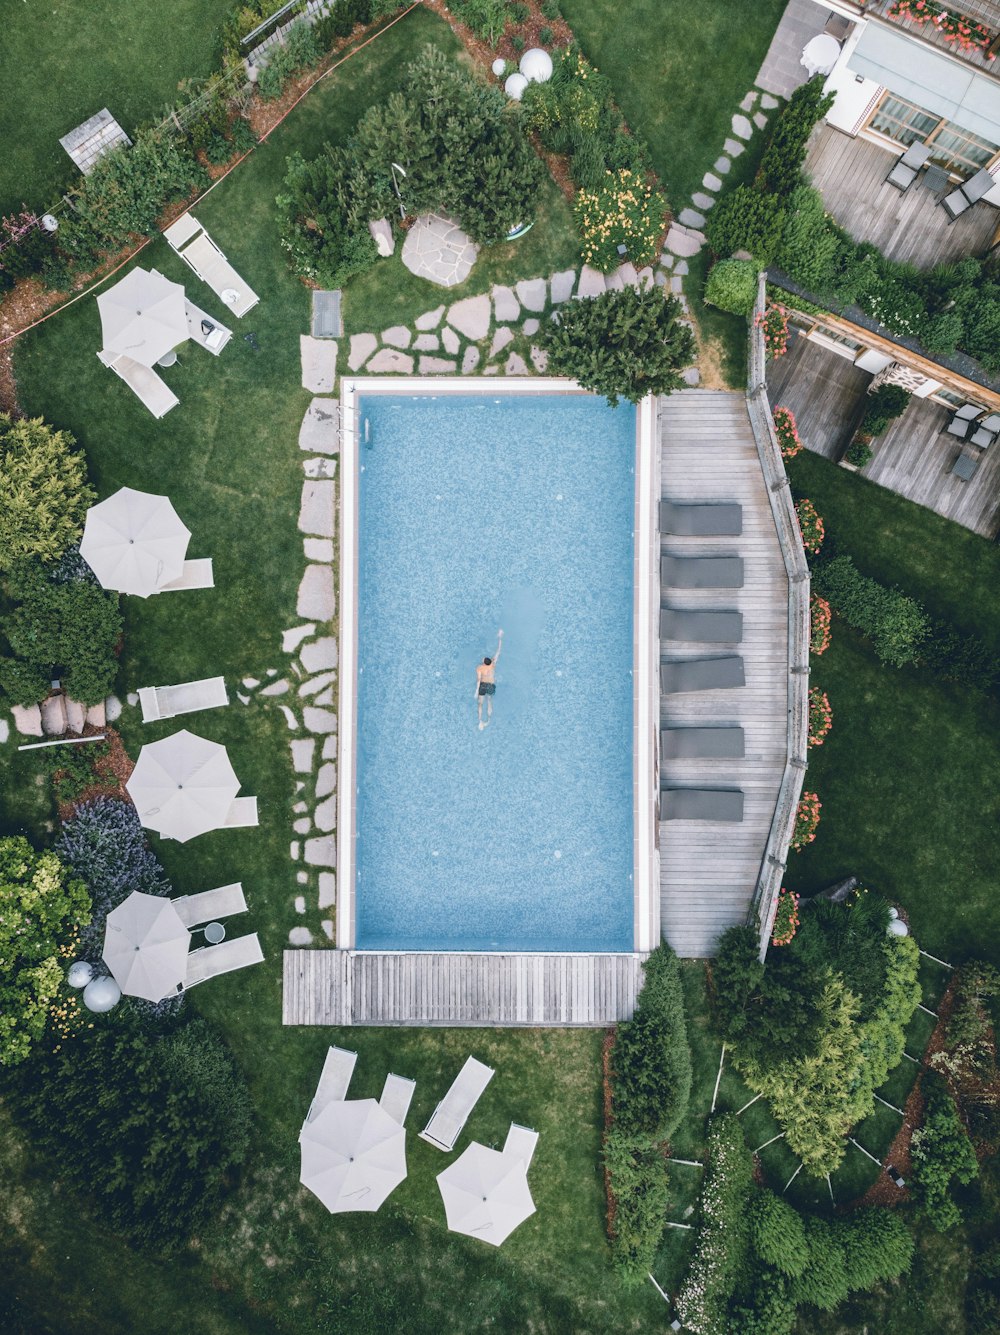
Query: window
x=957, y=150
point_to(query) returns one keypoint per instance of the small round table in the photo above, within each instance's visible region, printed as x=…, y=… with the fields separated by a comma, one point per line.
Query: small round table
x=214, y=933
x=168, y=358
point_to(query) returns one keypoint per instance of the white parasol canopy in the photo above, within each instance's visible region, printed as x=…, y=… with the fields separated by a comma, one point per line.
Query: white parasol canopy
x=134, y=542
x=146, y=946
x=143, y=316
x=183, y=786
x=353, y=1155
x=486, y=1194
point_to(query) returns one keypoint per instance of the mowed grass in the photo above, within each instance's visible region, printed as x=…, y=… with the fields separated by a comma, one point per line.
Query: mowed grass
x=62, y=62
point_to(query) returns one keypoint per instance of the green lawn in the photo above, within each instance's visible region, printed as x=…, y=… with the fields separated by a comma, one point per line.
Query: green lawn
x=60, y=66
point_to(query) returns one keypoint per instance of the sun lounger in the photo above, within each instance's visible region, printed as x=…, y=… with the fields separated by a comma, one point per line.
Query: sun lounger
x=701, y=674
x=968, y=193
x=713, y=804
x=205, y=330
x=724, y=742
x=196, y=575
x=520, y=1144
x=188, y=239
x=709, y=520
x=451, y=1114
x=242, y=813
x=158, y=397
x=397, y=1093
x=709, y=627
x=160, y=702
x=334, y=1081
x=702, y=572
x=905, y=171
x=210, y=961
x=208, y=905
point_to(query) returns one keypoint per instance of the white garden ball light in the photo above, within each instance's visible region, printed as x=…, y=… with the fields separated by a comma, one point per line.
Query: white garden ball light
x=80, y=974
x=515, y=86
x=898, y=928
x=101, y=995
x=499, y=65
x=536, y=65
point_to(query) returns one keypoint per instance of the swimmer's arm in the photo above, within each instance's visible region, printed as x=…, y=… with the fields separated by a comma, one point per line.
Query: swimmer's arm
x=496, y=656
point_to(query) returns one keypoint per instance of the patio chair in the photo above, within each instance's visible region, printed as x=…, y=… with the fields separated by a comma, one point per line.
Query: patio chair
x=701, y=674
x=334, y=1080
x=991, y=422
x=397, y=1094
x=906, y=170
x=196, y=575
x=520, y=1144
x=242, y=813
x=980, y=437
x=162, y=702
x=711, y=804
x=210, y=961
x=188, y=239
x=451, y=1114
x=709, y=627
x=709, y=520
x=144, y=383
x=702, y=572
x=208, y=905
x=968, y=193
x=207, y=332
x=721, y=743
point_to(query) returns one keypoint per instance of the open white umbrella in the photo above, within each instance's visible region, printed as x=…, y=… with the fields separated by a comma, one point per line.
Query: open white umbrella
x=183, y=786
x=486, y=1194
x=143, y=316
x=134, y=542
x=353, y=1155
x=146, y=946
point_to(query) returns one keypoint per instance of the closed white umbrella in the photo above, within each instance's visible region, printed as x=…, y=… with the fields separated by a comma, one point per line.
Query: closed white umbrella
x=183, y=786
x=146, y=946
x=143, y=316
x=353, y=1155
x=134, y=542
x=486, y=1194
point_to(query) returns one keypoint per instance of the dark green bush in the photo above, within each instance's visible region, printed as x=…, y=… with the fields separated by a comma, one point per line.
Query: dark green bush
x=72, y=767
x=551, y=10
x=823, y=1282
x=942, y=1153
x=638, y=1176
x=746, y=219
x=517, y=42
x=242, y=134
x=341, y=21
x=781, y=166
x=859, y=453
x=877, y=1246
x=128, y=188
x=300, y=50
x=486, y=18
x=545, y=36
x=883, y=406
x=44, y=493
x=896, y=625
x=767, y=1012
x=732, y=286
x=651, y=1060
x=518, y=11
x=777, y=1233
x=320, y=243
x=808, y=243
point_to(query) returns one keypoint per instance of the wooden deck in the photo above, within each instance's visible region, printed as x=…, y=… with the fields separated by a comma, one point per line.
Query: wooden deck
x=708, y=872
x=346, y=987
x=825, y=392
x=906, y=225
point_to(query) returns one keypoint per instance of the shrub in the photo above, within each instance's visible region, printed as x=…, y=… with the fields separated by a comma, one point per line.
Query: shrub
x=820, y=716
x=809, y=242
x=638, y=1176
x=622, y=344
x=545, y=36
x=786, y=918
x=651, y=1060
x=877, y=1246
x=819, y=624
x=823, y=1281
x=811, y=527
x=625, y=211
x=486, y=18
x=42, y=908
x=806, y=821
x=761, y=1011
x=243, y=137
x=959, y=657
x=859, y=453
x=341, y=21
x=781, y=165
x=778, y=1235
x=44, y=494
x=884, y=404
x=787, y=432
x=896, y=625
x=551, y=10
x=732, y=286
x=72, y=767
x=25, y=246
x=316, y=236
x=941, y=1152
x=774, y=326
x=128, y=188
x=746, y=219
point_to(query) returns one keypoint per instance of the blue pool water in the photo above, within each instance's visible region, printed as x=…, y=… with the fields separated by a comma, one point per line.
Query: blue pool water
x=478, y=513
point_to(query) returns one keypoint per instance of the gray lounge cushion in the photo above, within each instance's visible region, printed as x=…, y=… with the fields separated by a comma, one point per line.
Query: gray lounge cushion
x=718, y=804
x=702, y=572
x=701, y=674
x=708, y=520
x=702, y=743
x=708, y=627
x=977, y=186
x=955, y=203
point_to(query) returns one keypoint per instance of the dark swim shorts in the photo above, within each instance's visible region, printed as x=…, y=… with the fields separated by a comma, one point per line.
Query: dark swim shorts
x=487, y=688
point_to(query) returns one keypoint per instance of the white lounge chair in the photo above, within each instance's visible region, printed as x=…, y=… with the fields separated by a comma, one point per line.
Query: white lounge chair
x=198, y=321
x=451, y=1114
x=210, y=961
x=188, y=239
x=397, y=1093
x=334, y=1080
x=520, y=1144
x=154, y=394
x=222, y=902
x=196, y=575
x=242, y=813
x=159, y=702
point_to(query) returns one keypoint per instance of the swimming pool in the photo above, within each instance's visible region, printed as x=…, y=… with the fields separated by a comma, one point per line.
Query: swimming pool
x=476, y=511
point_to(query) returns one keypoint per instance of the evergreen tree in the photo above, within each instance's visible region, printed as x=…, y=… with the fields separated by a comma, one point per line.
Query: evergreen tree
x=778, y=1235
x=651, y=1060
x=43, y=491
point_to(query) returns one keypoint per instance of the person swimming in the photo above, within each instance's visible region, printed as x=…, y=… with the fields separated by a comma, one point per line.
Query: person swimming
x=486, y=683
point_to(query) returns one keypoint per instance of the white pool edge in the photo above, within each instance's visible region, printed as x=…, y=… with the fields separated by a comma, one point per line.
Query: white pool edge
x=645, y=710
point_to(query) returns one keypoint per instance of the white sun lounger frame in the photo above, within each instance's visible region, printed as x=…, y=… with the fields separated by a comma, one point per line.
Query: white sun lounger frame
x=452, y=1113
x=162, y=702
x=188, y=239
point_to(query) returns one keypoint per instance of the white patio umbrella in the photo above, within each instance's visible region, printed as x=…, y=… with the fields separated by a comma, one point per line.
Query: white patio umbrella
x=353, y=1155
x=143, y=316
x=146, y=946
x=183, y=786
x=486, y=1194
x=134, y=542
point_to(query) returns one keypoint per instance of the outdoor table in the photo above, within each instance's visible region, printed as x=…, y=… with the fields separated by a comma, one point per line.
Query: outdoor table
x=965, y=467
x=214, y=933
x=820, y=54
x=168, y=358
x=935, y=179
x=230, y=296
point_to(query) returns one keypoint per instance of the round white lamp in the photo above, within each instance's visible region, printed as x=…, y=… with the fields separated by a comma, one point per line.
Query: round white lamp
x=80, y=974
x=50, y=222
x=536, y=65
x=894, y=914
x=101, y=994
x=498, y=66
x=515, y=86
x=898, y=928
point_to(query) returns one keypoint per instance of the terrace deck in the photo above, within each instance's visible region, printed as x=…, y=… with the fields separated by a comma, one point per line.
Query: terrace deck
x=708, y=873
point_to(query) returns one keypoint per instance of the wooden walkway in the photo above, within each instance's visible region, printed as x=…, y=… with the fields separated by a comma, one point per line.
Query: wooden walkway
x=346, y=987
x=708, y=872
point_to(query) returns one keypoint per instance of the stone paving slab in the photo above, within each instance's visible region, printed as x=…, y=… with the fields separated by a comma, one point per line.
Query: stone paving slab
x=501, y=338
x=316, y=509
x=682, y=242
x=702, y=201
x=316, y=597
x=318, y=549
x=388, y=361
x=326, y=780
x=426, y=343
x=319, y=721
x=450, y=340
x=437, y=249
x=320, y=655
x=733, y=147
x=691, y=218
x=591, y=282
x=562, y=285
x=436, y=366
x=742, y=127
x=539, y=359
x=768, y=102
x=711, y=182
x=362, y=347
x=471, y=317
x=532, y=293
x=759, y=119
x=470, y=360
x=748, y=101
x=321, y=852
x=320, y=429
x=430, y=319
x=506, y=306
x=722, y=165
x=515, y=365
x=319, y=363
x=398, y=336
x=327, y=889
x=302, y=755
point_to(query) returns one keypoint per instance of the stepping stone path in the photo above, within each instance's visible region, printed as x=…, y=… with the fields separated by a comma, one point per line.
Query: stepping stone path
x=437, y=249
x=319, y=363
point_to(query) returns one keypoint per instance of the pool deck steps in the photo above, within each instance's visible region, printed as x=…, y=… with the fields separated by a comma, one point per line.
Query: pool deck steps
x=348, y=987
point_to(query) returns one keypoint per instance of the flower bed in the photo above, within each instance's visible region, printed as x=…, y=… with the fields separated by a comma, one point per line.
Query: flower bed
x=806, y=821
x=787, y=432
x=810, y=526
x=773, y=323
x=966, y=34
x=625, y=211
x=786, y=918
x=820, y=716
x=819, y=624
